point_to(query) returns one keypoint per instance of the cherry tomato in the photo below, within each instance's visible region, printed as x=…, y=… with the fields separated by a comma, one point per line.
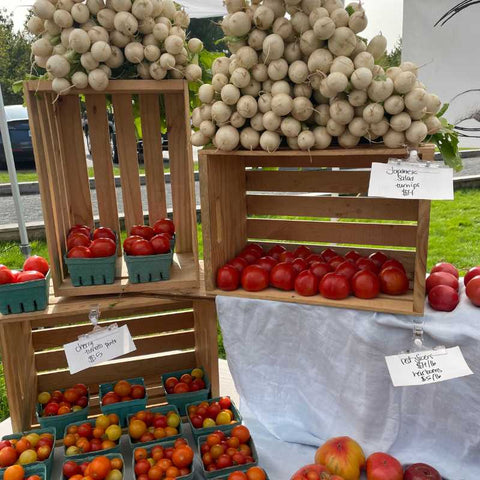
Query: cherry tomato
x=77, y=240
x=283, y=276
x=276, y=251
x=365, y=284
x=302, y=251
x=39, y=264
x=141, y=247
x=393, y=281
x=165, y=225
x=103, y=247
x=319, y=269
x=347, y=269
x=393, y=263
x=472, y=273
x=306, y=284
x=441, y=278
x=228, y=278
x=328, y=254
x=239, y=263
x=378, y=258
x=143, y=231
x=129, y=241
x=267, y=263
x=445, y=267
x=104, y=232
x=366, y=263
x=160, y=243
x=334, y=286
x=6, y=276
x=79, y=252
x=473, y=290
x=29, y=276
x=254, y=278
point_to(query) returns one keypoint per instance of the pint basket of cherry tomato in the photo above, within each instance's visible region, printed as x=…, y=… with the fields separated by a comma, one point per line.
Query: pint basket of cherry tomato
x=208, y=416
x=63, y=407
x=124, y=397
x=171, y=459
x=34, y=471
x=111, y=465
x=27, y=290
x=91, y=256
x=253, y=473
x=15, y=438
x=186, y=386
x=224, y=452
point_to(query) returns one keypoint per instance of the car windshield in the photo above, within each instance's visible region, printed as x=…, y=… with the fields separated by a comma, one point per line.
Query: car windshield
x=16, y=112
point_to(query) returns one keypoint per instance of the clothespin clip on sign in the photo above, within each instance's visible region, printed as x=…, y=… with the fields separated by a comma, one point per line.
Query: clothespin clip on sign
x=94, y=316
x=418, y=344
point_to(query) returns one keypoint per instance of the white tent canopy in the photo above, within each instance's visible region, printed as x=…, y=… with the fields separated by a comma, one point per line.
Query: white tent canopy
x=204, y=8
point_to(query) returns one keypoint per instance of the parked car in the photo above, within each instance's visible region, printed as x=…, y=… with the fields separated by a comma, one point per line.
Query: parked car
x=20, y=138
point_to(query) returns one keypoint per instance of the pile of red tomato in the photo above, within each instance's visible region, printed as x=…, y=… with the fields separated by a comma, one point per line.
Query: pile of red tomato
x=123, y=391
x=83, y=243
x=34, y=268
x=146, y=240
x=328, y=273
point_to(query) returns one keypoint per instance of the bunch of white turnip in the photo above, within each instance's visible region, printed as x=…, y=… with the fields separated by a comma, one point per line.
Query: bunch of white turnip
x=299, y=72
x=80, y=42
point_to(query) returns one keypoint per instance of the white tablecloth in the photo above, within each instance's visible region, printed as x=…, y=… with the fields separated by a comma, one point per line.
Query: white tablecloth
x=306, y=373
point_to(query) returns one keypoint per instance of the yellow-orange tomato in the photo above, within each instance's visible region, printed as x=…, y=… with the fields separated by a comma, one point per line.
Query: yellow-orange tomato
x=182, y=456
x=98, y=432
x=256, y=473
x=122, y=388
x=114, y=418
x=22, y=445
x=172, y=472
x=106, y=444
x=170, y=431
x=117, y=463
x=140, y=453
x=241, y=432
x=137, y=428
x=99, y=467
x=69, y=440
x=72, y=429
x=164, y=463
x=155, y=473
x=15, y=472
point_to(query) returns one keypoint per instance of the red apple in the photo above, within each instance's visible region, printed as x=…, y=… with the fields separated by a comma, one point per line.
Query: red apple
x=381, y=466
x=421, y=471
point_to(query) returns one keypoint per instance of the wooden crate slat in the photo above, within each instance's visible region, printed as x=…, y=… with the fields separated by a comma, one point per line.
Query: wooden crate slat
x=308, y=181
x=55, y=359
x=128, y=159
x=114, y=370
x=421, y=257
x=335, y=207
x=152, y=157
x=334, y=232
x=69, y=122
x=99, y=133
x=56, y=337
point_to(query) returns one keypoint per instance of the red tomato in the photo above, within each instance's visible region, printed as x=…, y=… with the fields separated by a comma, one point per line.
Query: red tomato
x=378, y=258
x=143, y=231
x=104, y=232
x=473, y=272
x=443, y=298
x=238, y=263
x=336, y=261
x=441, y=278
x=165, y=225
x=129, y=241
x=334, y=286
x=79, y=252
x=393, y=281
x=299, y=265
x=71, y=468
x=445, y=267
x=276, y=251
x=286, y=257
x=306, y=284
x=302, y=252
x=29, y=276
x=256, y=248
x=225, y=403
x=254, y=278
x=319, y=269
x=314, y=257
x=328, y=254
x=366, y=263
x=365, y=284
x=80, y=229
x=347, y=269
x=393, y=263
x=267, y=263
x=103, y=247
x=224, y=461
x=6, y=276
x=39, y=264
x=249, y=257
x=160, y=243
x=473, y=290
x=283, y=276
x=181, y=387
x=77, y=240
x=352, y=255
x=228, y=278
x=141, y=247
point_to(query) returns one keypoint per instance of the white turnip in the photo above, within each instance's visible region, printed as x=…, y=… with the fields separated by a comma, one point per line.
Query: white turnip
x=309, y=43
x=256, y=38
x=253, y=88
x=341, y=17
x=120, y=5
x=377, y=46
x=58, y=50
x=88, y=62
x=278, y=69
x=161, y=31
x=393, y=72
x=143, y=70
x=256, y=122
x=230, y=94
x=98, y=34
x=221, y=112
x=259, y=72
x=157, y=72
x=237, y=121
x=298, y=72
x=334, y=128
x=400, y=122
x=342, y=42
x=404, y=82
x=101, y=51
x=265, y=102
x=416, y=99
x=106, y=18
x=343, y=65
x=181, y=19
x=235, y=5
x=198, y=139
x=240, y=77
x=393, y=139
x=394, y=104
x=325, y=90
x=95, y=6
x=302, y=90
x=416, y=133
x=300, y=22
x=373, y=113
x=322, y=114
x=80, y=13
x=167, y=62
x=206, y=93
x=358, y=127
x=409, y=67
x=361, y=78
x=125, y=23
x=342, y=112
x=292, y=143
x=282, y=26
x=220, y=65
x=173, y=44
x=58, y=66
x=119, y=39
x=320, y=61
x=239, y=24
x=263, y=17
x=247, y=106
x=80, y=80
x=246, y=57
x=282, y=104
x=378, y=71
x=417, y=114
x=267, y=86
x=347, y=140
x=36, y=25
x=337, y=82
x=134, y=52
x=193, y=73
x=195, y=45
x=302, y=109
x=271, y=121
x=292, y=52
x=63, y=19
x=306, y=140
x=146, y=25
x=42, y=47
x=152, y=53
x=317, y=13
x=433, y=103
x=357, y=98
x=290, y=127
x=169, y=9
x=324, y=28
x=79, y=41
x=358, y=22
x=208, y=128
x=433, y=124
x=322, y=138
x=60, y=86
x=249, y=138
x=43, y=9
x=380, y=89
x=273, y=47
x=98, y=79
x=270, y=141
x=364, y=59
x=196, y=117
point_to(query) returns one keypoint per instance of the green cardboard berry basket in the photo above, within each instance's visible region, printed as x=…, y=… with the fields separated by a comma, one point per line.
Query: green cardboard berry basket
x=164, y=444
x=32, y=469
x=164, y=409
x=123, y=409
x=181, y=400
x=198, y=432
x=59, y=422
x=85, y=272
x=48, y=463
x=82, y=456
x=24, y=297
x=149, y=268
x=89, y=458
x=225, y=472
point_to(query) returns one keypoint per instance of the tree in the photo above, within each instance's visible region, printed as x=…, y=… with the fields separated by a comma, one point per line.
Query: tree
x=208, y=31
x=14, y=58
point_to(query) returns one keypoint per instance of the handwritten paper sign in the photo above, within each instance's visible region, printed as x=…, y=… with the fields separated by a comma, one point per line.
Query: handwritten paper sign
x=95, y=348
x=430, y=366
x=411, y=181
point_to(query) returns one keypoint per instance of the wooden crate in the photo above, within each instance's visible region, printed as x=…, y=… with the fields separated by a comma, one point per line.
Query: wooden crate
x=58, y=143
x=169, y=335
x=240, y=190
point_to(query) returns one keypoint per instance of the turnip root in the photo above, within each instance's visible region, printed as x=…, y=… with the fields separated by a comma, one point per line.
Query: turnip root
x=173, y=44
x=302, y=109
x=379, y=129
x=433, y=103
x=400, y=122
x=409, y=67
x=393, y=139
x=343, y=65
x=379, y=90
x=98, y=79
x=157, y=72
x=60, y=86
x=230, y=94
x=358, y=127
x=300, y=22
x=253, y=88
x=364, y=59
x=355, y=6
x=107, y=69
x=292, y=143
x=278, y=69
x=417, y=114
x=267, y=86
x=433, y=124
x=240, y=77
x=143, y=70
x=237, y=121
x=256, y=38
x=221, y=112
x=334, y=128
x=270, y=141
x=306, y=140
x=58, y=50
x=101, y=51
x=227, y=138
x=246, y=57
x=95, y=6
x=125, y=23
x=239, y=24
x=282, y=104
x=206, y=93
x=146, y=25
x=332, y=5
x=273, y=47
x=404, y=82
x=360, y=47
x=247, y=106
x=358, y=22
x=256, y=122
x=278, y=7
x=302, y=90
x=263, y=17
x=378, y=71
x=324, y=28
x=169, y=9
x=322, y=115
x=357, y=98
x=193, y=73
x=342, y=42
x=195, y=45
x=259, y=72
x=361, y=78
x=320, y=61
x=347, y=140
x=98, y=34
x=88, y=62
x=292, y=52
x=249, y=138
x=265, y=102
x=290, y=127
x=79, y=41
x=58, y=66
x=196, y=117
x=80, y=80
x=337, y=82
x=316, y=14
x=373, y=113
x=208, y=128
x=341, y=17
x=298, y=72
x=167, y=62
x=377, y=46
x=220, y=65
x=324, y=89
x=80, y=13
x=271, y=121
x=161, y=31
x=393, y=72
x=180, y=19
x=42, y=47
x=106, y=18
x=235, y=5
x=134, y=52
x=342, y=112
x=152, y=53
x=198, y=139
x=416, y=99
x=119, y=39
x=36, y=25
x=416, y=133
x=394, y=104
x=120, y=5
x=281, y=26
x=309, y=43
x=322, y=138
x=43, y=9
x=63, y=19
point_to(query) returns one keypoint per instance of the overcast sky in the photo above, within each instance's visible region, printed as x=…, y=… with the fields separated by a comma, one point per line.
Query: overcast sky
x=383, y=15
